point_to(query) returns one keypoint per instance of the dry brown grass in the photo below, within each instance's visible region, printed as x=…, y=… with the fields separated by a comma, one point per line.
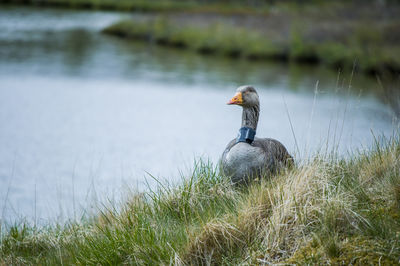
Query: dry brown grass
x=326, y=211
x=318, y=204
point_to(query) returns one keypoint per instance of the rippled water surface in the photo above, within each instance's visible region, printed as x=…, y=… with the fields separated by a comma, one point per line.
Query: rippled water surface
x=83, y=116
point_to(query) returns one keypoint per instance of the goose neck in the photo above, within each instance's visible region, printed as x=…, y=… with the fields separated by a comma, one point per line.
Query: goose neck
x=250, y=117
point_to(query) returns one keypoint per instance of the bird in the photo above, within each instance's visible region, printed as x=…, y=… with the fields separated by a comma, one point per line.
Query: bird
x=247, y=157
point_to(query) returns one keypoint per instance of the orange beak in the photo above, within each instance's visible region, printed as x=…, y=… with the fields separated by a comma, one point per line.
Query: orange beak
x=237, y=99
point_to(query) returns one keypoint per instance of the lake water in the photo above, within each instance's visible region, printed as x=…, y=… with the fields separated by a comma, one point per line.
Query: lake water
x=85, y=116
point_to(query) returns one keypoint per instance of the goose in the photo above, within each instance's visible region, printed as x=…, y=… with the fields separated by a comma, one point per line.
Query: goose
x=247, y=157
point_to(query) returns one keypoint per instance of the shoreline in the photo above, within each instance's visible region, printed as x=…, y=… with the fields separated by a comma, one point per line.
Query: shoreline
x=342, y=36
x=353, y=47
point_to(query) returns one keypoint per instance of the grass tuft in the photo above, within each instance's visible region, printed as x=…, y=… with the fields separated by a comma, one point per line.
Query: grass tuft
x=328, y=210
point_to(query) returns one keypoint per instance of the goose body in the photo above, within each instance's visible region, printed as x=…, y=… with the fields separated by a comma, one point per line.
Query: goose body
x=246, y=157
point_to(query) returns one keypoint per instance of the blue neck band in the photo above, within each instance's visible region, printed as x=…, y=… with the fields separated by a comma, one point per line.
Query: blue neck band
x=246, y=134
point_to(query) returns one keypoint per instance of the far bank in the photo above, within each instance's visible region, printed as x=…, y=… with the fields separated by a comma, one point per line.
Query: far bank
x=341, y=37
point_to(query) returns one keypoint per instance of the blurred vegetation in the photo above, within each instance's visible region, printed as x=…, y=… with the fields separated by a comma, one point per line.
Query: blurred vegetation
x=355, y=34
x=215, y=38
x=220, y=6
x=149, y=5
x=325, y=211
x=361, y=48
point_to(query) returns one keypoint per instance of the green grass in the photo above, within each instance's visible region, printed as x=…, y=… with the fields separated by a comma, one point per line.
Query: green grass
x=365, y=49
x=214, y=39
x=326, y=210
x=341, y=34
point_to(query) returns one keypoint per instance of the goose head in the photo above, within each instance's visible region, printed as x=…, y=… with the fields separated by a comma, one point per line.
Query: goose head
x=246, y=96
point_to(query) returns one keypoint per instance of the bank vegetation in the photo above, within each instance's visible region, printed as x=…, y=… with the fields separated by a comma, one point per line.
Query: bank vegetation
x=326, y=210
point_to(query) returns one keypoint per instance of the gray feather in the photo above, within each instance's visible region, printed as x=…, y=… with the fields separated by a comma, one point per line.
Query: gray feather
x=262, y=157
x=242, y=161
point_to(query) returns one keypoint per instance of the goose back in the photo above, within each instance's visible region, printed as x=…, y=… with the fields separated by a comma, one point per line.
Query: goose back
x=243, y=161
